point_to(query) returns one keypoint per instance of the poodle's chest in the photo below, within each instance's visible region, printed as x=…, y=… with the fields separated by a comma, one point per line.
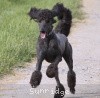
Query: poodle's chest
x=51, y=54
x=51, y=50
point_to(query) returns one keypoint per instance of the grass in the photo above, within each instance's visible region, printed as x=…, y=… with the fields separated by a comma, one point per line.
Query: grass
x=18, y=35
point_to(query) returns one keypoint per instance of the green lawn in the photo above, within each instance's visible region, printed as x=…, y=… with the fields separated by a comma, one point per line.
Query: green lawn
x=18, y=34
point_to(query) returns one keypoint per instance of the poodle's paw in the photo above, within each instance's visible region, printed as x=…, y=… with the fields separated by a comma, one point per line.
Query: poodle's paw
x=51, y=70
x=71, y=78
x=60, y=91
x=35, y=79
x=72, y=90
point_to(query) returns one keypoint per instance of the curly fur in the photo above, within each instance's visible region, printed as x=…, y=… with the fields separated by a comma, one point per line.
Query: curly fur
x=51, y=71
x=33, y=13
x=35, y=78
x=60, y=91
x=41, y=14
x=71, y=78
x=65, y=19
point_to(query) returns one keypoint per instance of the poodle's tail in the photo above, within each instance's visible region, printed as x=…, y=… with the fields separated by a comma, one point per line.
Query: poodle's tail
x=65, y=19
x=66, y=22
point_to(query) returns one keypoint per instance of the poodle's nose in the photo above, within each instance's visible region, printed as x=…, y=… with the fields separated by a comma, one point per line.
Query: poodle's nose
x=42, y=29
x=43, y=32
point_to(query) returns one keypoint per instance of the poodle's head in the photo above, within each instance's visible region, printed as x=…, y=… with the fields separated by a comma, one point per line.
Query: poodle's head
x=59, y=9
x=45, y=20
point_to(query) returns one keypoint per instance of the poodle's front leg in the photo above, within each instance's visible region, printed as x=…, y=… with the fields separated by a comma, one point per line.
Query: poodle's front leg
x=37, y=75
x=53, y=67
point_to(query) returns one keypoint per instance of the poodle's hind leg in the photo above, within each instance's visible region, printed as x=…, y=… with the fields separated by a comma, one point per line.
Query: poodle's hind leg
x=60, y=90
x=52, y=71
x=71, y=76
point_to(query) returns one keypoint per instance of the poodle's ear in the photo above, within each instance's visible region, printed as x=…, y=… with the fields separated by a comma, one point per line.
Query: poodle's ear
x=33, y=13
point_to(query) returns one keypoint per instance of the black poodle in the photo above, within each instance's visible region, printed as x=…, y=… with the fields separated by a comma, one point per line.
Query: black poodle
x=52, y=45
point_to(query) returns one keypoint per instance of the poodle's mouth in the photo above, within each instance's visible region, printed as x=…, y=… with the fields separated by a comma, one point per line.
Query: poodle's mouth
x=42, y=34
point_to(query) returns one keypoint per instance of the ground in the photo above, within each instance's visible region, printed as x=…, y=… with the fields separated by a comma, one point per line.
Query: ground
x=85, y=40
